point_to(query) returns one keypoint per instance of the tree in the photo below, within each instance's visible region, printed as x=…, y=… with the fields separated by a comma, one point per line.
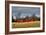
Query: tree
x=18, y=15
x=12, y=19
x=33, y=17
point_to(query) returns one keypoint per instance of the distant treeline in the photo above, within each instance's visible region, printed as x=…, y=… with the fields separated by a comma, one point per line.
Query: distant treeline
x=32, y=18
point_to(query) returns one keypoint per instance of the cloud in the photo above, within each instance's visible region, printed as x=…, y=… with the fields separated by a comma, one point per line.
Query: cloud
x=25, y=11
x=37, y=15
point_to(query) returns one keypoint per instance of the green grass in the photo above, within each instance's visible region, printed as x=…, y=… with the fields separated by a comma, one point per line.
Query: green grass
x=25, y=24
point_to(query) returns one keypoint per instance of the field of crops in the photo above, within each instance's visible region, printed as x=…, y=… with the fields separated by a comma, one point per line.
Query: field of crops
x=25, y=24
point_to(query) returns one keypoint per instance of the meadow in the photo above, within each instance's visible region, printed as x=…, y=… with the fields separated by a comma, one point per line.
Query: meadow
x=25, y=24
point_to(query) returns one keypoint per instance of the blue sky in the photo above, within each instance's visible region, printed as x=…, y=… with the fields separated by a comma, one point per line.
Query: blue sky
x=25, y=11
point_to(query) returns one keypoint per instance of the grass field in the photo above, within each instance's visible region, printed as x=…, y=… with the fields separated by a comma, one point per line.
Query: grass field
x=25, y=24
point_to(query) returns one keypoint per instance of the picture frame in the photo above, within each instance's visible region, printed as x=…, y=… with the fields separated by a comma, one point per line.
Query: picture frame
x=25, y=4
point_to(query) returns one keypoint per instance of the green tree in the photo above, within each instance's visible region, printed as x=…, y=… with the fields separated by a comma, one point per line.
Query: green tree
x=12, y=19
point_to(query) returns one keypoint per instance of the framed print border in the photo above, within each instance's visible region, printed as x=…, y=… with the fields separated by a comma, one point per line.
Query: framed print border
x=7, y=16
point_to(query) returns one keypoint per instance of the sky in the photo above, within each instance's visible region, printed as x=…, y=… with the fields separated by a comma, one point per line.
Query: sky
x=21, y=12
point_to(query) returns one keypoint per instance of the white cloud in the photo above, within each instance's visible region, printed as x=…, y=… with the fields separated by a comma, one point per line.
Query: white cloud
x=38, y=15
x=14, y=17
